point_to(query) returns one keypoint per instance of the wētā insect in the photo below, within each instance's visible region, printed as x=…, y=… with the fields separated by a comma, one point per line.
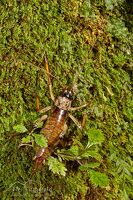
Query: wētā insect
x=55, y=126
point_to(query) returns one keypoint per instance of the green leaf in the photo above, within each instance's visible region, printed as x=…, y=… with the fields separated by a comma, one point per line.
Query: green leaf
x=38, y=124
x=56, y=167
x=95, y=135
x=92, y=154
x=26, y=139
x=89, y=165
x=74, y=150
x=20, y=128
x=40, y=140
x=99, y=179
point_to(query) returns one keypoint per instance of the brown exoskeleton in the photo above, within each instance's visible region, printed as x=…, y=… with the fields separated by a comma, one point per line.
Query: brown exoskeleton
x=55, y=126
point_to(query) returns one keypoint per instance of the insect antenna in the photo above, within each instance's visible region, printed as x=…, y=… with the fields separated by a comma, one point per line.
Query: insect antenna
x=73, y=87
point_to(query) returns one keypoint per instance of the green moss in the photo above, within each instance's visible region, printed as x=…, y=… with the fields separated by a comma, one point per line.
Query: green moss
x=93, y=40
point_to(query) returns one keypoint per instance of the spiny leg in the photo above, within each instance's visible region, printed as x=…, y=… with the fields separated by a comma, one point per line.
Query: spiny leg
x=82, y=125
x=42, y=118
x=49, y=80
x=45, y=109
x=78, y=108
x=37, y=123
x=75, y=121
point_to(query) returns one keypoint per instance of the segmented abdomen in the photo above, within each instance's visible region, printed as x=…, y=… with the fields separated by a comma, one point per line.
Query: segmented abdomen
x=54, y=126
x=52, y=131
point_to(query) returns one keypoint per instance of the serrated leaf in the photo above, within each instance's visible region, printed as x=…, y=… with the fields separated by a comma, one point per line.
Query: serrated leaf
x=95, y=136
x=56, y=167
x=26, y=139
x=20, y=128
x=92, y=154
x=40, y=140
x=89, y=165
x=38, y=124
x=74, y=150
x=99, y=179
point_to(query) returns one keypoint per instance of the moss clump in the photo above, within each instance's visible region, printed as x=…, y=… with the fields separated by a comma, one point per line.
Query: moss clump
x=92, y=39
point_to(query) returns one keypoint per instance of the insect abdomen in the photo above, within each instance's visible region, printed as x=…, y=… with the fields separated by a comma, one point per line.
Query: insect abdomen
x=52, y=131
x=54, y=126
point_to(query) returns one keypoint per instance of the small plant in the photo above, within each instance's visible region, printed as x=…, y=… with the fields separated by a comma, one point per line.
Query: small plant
x=31, y=138
x=77, y=152
x=83, y=154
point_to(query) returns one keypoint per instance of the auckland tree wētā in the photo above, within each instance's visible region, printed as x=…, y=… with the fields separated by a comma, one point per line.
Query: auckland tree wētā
x=55, y=126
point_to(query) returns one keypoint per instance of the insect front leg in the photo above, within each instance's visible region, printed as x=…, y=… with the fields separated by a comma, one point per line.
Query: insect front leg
x=78, y=108
x=45, y=109
x=37, y=123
